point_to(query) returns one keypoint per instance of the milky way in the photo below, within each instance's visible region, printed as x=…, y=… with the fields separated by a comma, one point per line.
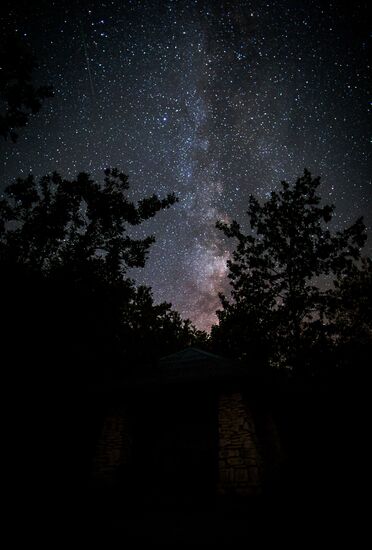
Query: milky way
x=212, y=100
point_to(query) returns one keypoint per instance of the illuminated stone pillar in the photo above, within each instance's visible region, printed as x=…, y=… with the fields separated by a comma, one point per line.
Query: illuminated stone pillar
x=239, y=465
x=114, y=447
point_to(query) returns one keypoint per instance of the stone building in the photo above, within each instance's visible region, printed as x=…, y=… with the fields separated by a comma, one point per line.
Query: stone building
x=192, y=424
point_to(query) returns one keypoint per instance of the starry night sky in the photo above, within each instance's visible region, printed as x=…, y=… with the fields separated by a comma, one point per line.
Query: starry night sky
x=213, y=100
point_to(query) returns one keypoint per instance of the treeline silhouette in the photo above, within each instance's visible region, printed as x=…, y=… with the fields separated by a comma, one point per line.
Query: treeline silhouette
x=65, y=252
x=300, y=294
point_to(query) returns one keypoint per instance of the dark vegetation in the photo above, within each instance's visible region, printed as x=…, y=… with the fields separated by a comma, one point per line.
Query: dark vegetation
x=301, y=295
x=299, y=316
x=65, y=251
x=19, y=98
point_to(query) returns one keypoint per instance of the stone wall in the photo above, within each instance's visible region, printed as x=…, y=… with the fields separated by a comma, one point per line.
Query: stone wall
x=239, y=462
x=239, y=457
x=114, y=447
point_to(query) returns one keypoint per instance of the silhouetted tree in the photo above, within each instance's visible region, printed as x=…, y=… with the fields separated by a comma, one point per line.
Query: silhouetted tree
x=56, y=222
x=64, y=255
x=160, y=330
x=274, y=272
x=18, y=95
x=350, y=319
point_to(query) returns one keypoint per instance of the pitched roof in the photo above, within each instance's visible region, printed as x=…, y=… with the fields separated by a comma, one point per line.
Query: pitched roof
x=195, y=364
x=188, y=365
x=192, y=355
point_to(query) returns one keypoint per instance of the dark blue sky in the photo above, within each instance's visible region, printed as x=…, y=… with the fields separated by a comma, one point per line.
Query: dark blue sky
x=213, y=100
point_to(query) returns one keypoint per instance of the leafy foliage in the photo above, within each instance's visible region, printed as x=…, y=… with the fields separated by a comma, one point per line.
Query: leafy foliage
x=160, y=329
x=64, y=253
x=275, y=270
x=350, y=317
x=59, y=222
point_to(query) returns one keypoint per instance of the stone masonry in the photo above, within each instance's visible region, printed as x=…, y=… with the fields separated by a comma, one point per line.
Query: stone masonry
x=239, y=462
x=114, y=447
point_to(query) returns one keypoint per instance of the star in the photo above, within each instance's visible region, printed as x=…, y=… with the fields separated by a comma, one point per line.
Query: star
x=211, y=100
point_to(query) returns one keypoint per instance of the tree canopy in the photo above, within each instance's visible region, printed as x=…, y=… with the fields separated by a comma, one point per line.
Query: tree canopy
x=349, y=315
x=279, y=270
x=57, y=223
x=65, y=251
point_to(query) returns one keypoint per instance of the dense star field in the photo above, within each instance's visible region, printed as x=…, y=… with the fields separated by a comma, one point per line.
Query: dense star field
x=213, y=100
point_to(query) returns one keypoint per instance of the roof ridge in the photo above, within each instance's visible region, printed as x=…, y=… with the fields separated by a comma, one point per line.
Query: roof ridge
x=183, y=352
